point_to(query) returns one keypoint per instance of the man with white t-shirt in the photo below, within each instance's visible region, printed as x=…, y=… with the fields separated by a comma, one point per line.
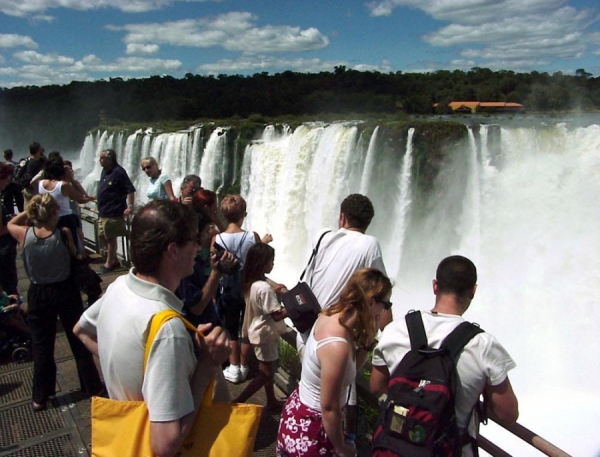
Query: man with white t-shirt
x=341, y=253
x=344, y=251
x=483, y=364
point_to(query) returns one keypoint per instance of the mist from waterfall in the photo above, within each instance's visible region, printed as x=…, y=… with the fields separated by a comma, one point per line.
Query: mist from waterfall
x=520, y=202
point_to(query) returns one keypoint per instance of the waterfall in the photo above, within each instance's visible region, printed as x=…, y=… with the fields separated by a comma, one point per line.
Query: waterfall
x=471, y=221
x=520, y=201
x=213, y=165
x=369, y=165
x=404, y=200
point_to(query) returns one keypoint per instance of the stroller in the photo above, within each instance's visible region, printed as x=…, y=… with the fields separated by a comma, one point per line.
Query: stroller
x=15, y=342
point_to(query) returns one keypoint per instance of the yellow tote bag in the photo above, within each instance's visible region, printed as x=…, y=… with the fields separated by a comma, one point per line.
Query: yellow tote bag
x=122, y=428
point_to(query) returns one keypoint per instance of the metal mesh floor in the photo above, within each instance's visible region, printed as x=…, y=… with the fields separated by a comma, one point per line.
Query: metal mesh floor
x=61, y=446
x=22, y=424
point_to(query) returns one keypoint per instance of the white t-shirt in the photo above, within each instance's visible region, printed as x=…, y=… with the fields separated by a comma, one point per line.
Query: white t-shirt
x=262, y=301
x=120, y=321
x=156, y=188
x=483, y=361
x=340, y=254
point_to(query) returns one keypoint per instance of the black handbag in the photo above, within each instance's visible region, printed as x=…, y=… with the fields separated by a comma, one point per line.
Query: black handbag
x=300, y=302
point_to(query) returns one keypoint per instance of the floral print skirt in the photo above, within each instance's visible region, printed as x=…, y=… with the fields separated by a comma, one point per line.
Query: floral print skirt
x=301, y=432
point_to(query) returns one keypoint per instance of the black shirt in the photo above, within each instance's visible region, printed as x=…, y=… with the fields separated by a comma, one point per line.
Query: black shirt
x=7, y=243
x=113, y=188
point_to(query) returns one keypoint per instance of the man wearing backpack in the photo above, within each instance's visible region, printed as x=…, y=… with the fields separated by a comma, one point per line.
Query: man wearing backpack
x=482, y=366
x=26, y=172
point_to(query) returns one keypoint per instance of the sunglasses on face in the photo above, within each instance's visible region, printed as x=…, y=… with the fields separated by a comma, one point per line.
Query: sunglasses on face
x=386, y=304
x=146, y=167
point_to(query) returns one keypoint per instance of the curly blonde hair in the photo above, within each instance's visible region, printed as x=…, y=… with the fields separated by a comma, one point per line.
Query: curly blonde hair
x=363, y=285
x=41, y=208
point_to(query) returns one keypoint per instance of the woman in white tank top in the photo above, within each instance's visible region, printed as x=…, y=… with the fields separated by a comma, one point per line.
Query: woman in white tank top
x=311, y=423
x=54, y=183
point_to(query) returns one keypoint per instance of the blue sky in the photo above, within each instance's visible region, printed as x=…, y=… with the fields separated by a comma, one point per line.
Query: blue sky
x=57, y=41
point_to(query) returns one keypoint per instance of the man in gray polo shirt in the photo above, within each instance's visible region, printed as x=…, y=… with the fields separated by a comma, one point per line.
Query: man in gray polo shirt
x=164, y=238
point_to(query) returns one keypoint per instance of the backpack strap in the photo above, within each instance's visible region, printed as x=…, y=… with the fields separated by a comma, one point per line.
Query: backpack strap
x=314, y=254
x=416, y=330
x=239, y=247
x=459, y=337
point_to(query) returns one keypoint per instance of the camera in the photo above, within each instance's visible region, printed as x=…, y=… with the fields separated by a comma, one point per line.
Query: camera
x=227, y=270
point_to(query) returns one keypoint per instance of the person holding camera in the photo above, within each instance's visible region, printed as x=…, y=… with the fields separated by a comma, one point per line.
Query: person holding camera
x=192, y=193
x=198, y=290
x=230, y=302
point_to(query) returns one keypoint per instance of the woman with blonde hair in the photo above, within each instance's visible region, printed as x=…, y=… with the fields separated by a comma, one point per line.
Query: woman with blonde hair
x=160, y=187
x=47, y=252
x=311, y=423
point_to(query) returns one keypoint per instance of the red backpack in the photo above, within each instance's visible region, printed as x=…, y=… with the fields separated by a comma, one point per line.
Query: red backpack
x=418, y=418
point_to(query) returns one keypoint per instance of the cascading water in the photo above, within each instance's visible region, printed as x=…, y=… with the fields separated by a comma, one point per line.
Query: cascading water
x=521, y=202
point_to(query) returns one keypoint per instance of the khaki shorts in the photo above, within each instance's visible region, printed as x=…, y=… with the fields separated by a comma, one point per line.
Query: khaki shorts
x=112, y=227
x=268, y=352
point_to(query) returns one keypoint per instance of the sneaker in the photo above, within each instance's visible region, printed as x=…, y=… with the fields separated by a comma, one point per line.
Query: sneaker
x=244, y=370
x=232, y=375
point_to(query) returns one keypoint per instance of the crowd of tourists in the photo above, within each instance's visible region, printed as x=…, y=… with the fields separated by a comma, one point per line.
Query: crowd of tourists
x=192, y=254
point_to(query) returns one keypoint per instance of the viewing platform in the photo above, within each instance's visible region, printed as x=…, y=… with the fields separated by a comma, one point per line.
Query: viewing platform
x=63, y=430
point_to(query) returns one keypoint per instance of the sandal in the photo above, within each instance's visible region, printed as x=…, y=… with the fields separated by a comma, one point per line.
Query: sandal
x=104, y=270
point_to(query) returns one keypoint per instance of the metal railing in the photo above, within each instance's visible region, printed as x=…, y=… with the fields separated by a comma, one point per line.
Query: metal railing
x=89, y=222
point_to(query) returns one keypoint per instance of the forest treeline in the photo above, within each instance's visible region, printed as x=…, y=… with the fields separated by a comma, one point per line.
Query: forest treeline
x=69, y=111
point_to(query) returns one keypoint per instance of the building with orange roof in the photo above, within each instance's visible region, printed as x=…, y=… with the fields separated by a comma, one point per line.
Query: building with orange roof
x=474, y=107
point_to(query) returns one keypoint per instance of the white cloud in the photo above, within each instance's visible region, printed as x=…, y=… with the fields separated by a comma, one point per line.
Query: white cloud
x=8, y=72
x=33, y=57
x=40, y=69
x=10, y=40
x=137, y=64
x=35, y=8
x=268, y=63
x=467, y=11
x=504, y=31
x=594, y=38
x=91, y=59
x=135, y=48
x=235, y=31
x=462, y=63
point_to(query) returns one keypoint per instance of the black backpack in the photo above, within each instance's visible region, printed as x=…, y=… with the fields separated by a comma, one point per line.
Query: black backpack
x=418, y=418
x=21, y=175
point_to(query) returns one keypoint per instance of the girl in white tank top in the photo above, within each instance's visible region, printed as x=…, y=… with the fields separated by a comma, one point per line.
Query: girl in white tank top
x=312, y=421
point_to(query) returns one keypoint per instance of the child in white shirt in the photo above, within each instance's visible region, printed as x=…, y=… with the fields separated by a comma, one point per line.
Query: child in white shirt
x=263, y=321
